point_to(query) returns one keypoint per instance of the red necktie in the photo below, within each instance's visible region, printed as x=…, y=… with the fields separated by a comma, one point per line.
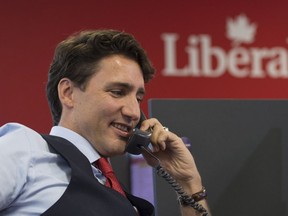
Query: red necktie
x=107, y=171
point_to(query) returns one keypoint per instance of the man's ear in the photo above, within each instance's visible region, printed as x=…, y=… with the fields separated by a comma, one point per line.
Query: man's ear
x=65, y=92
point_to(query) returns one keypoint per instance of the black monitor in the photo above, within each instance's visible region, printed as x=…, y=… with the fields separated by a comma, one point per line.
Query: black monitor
x=241, y=149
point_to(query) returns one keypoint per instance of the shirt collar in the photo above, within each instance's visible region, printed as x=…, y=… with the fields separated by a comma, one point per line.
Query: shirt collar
x=77, y=140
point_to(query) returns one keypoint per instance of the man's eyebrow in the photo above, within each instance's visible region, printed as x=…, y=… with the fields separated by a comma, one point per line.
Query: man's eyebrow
x=125, y=85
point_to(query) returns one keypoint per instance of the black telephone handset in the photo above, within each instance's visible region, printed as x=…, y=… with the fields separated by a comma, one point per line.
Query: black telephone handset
x=138, y=143
x=138, y=138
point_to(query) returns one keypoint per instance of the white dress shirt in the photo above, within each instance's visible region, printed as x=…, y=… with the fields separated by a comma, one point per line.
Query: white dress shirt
x=32, y=176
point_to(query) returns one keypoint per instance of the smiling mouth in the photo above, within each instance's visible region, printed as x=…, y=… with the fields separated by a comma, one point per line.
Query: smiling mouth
x=122, y=127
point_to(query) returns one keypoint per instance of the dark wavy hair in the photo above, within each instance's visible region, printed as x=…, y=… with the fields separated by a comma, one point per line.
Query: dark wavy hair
x=77, y=57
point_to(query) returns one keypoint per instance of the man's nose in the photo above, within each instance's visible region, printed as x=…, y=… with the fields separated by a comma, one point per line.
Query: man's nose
x=131, y=109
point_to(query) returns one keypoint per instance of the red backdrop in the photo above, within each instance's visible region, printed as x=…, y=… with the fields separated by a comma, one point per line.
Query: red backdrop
x=201, y=49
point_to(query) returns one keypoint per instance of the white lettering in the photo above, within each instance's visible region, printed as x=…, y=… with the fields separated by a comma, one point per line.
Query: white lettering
x=238, y=61
x=170, y=56
x=193, y=56
x=258, y=56
x=206, y=60
x=277, y=66
x=207, y=53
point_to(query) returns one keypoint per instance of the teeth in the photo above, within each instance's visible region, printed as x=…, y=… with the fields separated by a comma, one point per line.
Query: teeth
x=121, y=127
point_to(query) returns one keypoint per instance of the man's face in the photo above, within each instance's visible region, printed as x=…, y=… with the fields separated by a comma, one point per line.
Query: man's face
x=108, y=109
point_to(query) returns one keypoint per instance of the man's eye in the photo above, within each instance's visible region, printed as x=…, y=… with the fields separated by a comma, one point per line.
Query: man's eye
x=139, y=99
x=118, y=92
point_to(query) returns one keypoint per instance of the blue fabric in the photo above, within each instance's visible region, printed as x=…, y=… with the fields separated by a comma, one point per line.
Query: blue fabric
x=32, y=176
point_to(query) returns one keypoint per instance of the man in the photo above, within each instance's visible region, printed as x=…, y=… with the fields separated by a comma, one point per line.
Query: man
x=95, y=87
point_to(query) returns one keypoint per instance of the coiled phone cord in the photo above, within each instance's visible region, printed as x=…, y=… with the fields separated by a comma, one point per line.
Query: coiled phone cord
x=164, y=174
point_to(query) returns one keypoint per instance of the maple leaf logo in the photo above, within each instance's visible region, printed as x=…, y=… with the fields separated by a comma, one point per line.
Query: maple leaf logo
x=240, y=30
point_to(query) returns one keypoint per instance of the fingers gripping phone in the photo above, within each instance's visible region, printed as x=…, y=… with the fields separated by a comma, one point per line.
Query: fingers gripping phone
x=138, y=138
x=138, y=141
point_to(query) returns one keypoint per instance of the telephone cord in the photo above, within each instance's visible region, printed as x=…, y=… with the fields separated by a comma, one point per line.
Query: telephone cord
x=175, y=185
x=190, y=201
